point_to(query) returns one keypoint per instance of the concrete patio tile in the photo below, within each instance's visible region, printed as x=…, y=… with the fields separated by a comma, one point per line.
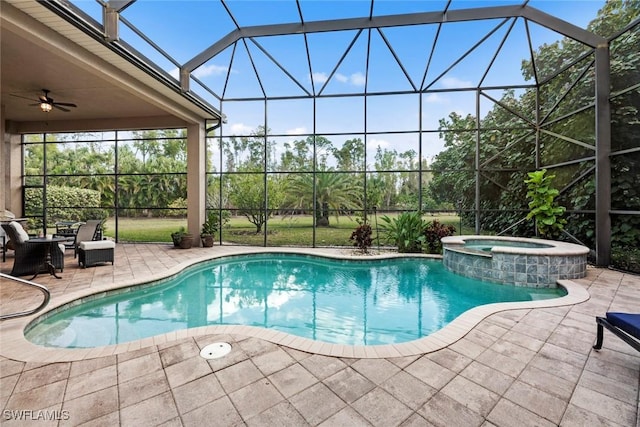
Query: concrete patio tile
x=626, y=374
x=349, y=385
x=236, y=355
x=255, y=346
x=108, y=420
x=141, y=388
x=573, y=339
x=283, y=414
x=627, y=393
x=89, y=382
x=408, y=389
x=548, y=382
x=403, y=362
x=239, y=375
x=560, y=369
x=90, y=406
x=416, y=420
x=578, y=417
x=471, y=395
x=376, y=370
x=292, y=380
x=273, y=361
x=179, y=352
x=491, y=329
x=37, y=398
x=604, y=406
x=346, y=417
x=522, y=340
x=197, y=393
x=467, y=348
x=187, y=370
x=508, y=414
x=153, y=411
x=219, y=412
x=139, y=366
x=501, y=363
x=297, y=354
x=10, y=367
x=443, y=411
x=513, y=351
x=430, y=372
x=317, y=403
x=488, y=377
x=381, y=409
x=34, y=378
x=322, y=366
x=539, y=333
x=255, y=398
x=83, y=366
x=450, y=359
x=537, y=401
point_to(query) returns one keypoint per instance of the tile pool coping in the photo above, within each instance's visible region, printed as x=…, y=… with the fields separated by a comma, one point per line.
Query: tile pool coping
x=16, y=346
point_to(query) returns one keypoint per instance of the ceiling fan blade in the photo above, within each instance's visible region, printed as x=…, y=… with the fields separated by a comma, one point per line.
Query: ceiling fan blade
x=23, y=97
x=66, y=104
x=61, y=108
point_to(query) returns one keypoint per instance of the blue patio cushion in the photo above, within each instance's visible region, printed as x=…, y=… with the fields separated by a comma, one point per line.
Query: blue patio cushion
x=628, y=322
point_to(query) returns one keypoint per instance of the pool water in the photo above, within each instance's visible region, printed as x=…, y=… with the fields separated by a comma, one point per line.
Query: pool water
x=361, y=302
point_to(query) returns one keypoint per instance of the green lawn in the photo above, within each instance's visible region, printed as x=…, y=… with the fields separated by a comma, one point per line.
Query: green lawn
x=282, y=231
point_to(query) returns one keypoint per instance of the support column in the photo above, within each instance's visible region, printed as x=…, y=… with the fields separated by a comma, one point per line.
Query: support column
x=3, y=162
x=13, y=175
x=603, y=160
x=196, y=179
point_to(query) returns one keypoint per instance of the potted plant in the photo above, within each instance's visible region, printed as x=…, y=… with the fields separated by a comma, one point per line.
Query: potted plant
x=209, y=229
x=362, y=237
x=182, y=239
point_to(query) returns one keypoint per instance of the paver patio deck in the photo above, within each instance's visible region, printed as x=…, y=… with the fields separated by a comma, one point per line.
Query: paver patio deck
x=515, y=368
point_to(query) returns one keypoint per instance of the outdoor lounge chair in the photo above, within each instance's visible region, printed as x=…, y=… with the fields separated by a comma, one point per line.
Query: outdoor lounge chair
x=625, y=325
x=29, y=259
x=86, y=233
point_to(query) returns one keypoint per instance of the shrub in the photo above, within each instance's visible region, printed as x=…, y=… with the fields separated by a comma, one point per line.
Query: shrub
x=406, y=231
x=433, y=234
x=362, y=237
x=544, y=210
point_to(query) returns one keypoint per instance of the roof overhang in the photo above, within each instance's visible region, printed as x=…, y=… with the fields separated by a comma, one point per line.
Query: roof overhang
x=42, y=50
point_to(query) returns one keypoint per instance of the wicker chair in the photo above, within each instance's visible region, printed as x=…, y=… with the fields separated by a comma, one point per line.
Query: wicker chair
x=29, y=258
x=87, y=232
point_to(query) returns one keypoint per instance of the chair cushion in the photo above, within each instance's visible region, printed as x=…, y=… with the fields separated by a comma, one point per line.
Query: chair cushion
x=22, y=235
x=62, y=247
x=97, y=244
x=630, y=323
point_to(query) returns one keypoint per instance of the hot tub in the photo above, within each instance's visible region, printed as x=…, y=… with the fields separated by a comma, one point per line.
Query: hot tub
x=515, y=260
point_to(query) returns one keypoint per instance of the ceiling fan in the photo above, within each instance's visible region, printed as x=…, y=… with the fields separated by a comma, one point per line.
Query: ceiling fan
x=46, y=103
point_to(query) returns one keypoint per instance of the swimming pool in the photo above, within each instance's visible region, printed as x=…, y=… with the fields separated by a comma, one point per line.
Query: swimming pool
x=354, y=302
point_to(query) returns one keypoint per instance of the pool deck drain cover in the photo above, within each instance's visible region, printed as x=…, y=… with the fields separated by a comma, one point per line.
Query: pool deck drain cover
x=215, y=350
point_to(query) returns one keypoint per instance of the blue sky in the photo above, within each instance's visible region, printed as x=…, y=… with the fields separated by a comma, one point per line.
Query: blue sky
x=185, y=28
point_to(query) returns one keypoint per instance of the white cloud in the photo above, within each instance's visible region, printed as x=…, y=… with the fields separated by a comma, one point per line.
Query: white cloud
x=204, y=71
x=297, y=131
x=434, y=98
x=210, y=70
x=357, y=79
x=239, y=129
x=341, y=78
x=320, y=77
x=454, y=82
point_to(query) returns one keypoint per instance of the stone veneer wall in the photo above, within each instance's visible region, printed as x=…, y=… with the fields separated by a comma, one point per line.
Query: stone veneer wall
x=538, y=271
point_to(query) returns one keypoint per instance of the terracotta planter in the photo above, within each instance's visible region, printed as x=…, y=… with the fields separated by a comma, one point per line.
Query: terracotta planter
x=186, y=241
x=207, y=240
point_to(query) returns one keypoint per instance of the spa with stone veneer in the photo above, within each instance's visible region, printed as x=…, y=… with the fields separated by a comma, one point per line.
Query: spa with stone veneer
x=515, y=260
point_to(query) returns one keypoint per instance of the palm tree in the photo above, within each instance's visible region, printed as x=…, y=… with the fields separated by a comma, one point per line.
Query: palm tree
x=335, y=192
